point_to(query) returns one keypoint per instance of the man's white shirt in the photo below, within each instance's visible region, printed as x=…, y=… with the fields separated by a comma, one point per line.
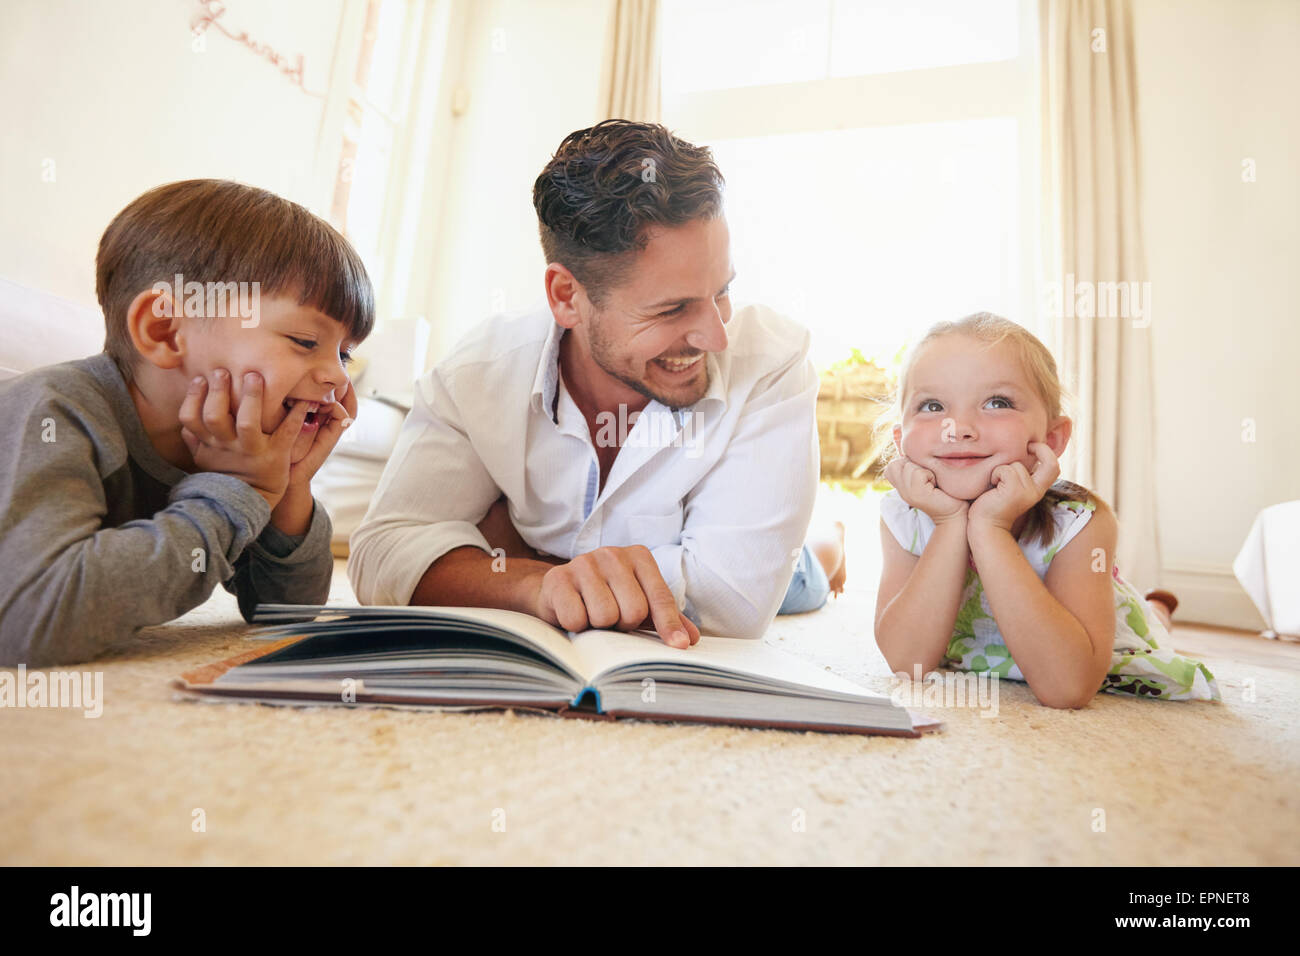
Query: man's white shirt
x=721, y=491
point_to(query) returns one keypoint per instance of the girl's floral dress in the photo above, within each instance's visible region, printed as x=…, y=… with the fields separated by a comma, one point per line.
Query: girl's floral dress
x=1143, y=662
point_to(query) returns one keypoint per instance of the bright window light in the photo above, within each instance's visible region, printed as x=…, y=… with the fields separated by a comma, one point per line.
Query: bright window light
x=869, y=236
x=725, y=44
x=886, y=36
x=722, y=44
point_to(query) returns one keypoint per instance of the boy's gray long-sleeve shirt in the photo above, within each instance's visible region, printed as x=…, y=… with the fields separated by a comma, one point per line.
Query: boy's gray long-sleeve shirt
x=99, y=535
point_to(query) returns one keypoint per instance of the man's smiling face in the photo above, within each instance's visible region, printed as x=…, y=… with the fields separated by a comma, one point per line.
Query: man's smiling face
x=301, y=354
x=653, y=331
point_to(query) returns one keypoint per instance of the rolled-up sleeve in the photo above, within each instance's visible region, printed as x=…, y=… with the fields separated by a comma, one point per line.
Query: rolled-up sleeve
x=279, y=568
x=745, y=522
x=434, y=491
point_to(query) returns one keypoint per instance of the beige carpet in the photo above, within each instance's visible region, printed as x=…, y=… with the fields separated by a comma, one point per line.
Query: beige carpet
x=1185, y=783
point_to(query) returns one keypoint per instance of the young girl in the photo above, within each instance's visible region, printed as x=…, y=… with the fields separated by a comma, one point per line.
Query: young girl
x=990, y=563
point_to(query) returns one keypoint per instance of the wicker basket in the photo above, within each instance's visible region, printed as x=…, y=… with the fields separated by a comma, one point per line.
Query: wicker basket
x=852, y=398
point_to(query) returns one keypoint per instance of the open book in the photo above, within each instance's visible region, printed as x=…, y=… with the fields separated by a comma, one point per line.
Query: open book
x=463, y=658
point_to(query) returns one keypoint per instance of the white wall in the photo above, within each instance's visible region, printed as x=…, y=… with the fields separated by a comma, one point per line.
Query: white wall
x=116, y=97
x=531, y=72
x=1217, y=83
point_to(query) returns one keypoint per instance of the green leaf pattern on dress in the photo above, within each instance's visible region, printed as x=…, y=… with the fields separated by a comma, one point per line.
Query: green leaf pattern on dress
x=1140, y=666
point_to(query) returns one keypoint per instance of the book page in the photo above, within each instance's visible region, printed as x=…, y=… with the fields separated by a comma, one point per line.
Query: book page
x=552, y=642
x=606, y=651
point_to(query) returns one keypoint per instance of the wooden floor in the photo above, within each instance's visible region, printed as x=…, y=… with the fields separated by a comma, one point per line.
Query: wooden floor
x=1247, y=647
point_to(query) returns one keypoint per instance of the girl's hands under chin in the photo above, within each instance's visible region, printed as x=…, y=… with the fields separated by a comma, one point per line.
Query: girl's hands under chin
x=916, y=486
x=1015, y=490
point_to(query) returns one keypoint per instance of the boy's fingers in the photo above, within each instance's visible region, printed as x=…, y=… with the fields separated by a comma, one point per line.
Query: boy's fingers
x=191, y=413
x=331, y=428
x=349, y=400
x=191, y=442
x=339, y=417
x=288, y=430
x=216, y=410
x=248, y=423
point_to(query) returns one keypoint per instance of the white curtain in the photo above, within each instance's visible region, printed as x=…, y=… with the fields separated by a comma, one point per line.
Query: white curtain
x=1095, y=236
x=630, y=77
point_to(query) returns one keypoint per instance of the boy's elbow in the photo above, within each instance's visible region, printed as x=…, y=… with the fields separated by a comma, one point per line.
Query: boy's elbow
x=15, y=650
x=41, y=646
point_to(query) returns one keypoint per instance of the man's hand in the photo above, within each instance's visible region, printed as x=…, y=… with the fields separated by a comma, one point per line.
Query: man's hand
x=238, y=447
x=1015, y=490
x=916, y=486
x=613, y=588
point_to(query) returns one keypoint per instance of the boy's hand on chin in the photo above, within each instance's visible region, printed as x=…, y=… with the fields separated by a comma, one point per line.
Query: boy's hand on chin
x=1015, y=489
x=237, y=446
x=341, y=414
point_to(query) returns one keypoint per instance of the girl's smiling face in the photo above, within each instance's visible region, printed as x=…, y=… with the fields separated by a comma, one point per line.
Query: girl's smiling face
x=969, y=407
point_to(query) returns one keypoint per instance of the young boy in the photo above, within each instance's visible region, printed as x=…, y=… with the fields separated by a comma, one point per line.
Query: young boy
x=133, y=481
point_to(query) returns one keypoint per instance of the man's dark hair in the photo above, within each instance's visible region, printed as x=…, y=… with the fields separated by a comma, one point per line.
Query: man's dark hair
x=606, y=184
x=215, y=230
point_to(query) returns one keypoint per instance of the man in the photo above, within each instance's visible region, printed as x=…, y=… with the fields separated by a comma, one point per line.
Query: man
x=655, y=456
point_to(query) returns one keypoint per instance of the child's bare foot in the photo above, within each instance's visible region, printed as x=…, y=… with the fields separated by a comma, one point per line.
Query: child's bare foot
x=1164, y=604
x=829, y=551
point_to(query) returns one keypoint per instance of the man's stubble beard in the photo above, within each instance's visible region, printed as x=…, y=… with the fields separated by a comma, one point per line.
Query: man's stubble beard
x=603, y=355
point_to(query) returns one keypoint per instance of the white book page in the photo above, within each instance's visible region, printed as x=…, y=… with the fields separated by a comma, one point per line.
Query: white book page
x=604, y=651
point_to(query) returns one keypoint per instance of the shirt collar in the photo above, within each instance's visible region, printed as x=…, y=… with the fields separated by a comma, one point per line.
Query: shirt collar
x=546, y=381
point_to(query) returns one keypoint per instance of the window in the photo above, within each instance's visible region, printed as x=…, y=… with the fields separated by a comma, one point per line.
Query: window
x=375, y=107
x=880, y=157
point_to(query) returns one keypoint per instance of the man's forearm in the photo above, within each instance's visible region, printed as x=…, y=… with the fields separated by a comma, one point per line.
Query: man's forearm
x=467, y=577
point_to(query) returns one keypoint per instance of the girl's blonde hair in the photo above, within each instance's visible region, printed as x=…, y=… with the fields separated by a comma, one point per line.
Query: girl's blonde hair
x=1039, y=367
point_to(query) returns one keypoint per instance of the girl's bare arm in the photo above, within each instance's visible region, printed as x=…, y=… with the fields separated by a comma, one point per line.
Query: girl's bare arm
x=918, y=598
x=1061, y=630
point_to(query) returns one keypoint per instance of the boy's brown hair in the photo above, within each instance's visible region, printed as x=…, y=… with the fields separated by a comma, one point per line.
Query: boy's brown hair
x=606, y=184
x=216, y=230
